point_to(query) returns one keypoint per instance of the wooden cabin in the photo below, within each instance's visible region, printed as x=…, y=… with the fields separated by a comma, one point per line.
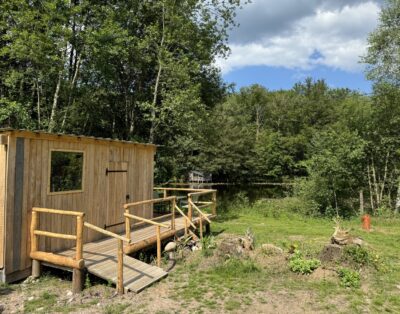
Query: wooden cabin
x=95, y=176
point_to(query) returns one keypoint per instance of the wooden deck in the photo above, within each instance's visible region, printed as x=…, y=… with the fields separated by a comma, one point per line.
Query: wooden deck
x=101, y=257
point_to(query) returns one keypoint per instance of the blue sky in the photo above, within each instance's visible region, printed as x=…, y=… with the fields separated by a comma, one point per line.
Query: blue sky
x=281, y=42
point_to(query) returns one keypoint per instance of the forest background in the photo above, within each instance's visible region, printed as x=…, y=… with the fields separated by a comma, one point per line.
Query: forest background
x=145, y=71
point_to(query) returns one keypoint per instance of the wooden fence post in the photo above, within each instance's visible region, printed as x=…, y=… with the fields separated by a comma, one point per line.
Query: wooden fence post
x=173, y=204
x=214, y=205
x=127, y=225
x=190, y=207
x=36, y=265
x=158, y=246
x=77, y=274
x=120, y=279
x=201, y=227
x=165, y=193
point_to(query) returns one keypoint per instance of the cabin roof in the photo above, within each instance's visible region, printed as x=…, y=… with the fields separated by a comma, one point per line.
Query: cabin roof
x=70, y=137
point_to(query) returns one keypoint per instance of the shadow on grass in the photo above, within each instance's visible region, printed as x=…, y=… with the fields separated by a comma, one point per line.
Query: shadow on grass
x=5, y=289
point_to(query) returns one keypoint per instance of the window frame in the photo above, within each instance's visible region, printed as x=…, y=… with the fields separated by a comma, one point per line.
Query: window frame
x=49, y=171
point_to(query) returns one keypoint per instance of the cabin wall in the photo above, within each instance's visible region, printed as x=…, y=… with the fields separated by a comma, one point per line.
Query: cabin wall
x=3, y=165
x=27, y=187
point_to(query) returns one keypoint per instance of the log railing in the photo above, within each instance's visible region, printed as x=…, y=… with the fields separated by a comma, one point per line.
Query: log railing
x=194, y=205
x=120, y=253
x=77, y=263
x=128, y=217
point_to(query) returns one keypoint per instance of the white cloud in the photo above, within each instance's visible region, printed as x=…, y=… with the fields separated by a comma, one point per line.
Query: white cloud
x=337, y=34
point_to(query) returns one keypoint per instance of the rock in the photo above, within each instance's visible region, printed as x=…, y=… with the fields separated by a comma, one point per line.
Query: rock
x=331, y=253
x=171, y=246
x=31, y=298
x=69, y=293
x=270, y=249
x=28, y=280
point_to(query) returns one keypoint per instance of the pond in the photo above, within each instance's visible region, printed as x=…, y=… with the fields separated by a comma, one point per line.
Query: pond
x=227, y=194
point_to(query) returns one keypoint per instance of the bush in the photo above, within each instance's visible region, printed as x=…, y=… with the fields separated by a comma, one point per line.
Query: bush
x=349, y=278
x=299, y=264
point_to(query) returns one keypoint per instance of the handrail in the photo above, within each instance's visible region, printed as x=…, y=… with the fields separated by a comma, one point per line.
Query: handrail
x=186, y=217
x=54, y=235
x=180, y=189
x=146, y=220
x=157, y=200
x=58, y=211
x=105, y=232
x=201, y=213
x=201, y=192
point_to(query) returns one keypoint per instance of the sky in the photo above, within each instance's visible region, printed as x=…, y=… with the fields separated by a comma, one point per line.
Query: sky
x=281, y=42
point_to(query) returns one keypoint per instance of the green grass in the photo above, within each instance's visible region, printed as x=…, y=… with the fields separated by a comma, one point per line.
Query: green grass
x=234, y=283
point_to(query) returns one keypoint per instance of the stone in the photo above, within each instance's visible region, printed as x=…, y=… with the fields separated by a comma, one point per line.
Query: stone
x=271, y=249
x=171, y=246
x=69, y=293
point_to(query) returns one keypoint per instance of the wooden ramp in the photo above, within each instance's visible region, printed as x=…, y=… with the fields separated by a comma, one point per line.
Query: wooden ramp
x=101, y=260
x=101, y=257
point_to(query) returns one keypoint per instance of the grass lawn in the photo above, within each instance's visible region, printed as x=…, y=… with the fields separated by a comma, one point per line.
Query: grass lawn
x=267, y=283
x=260, y=283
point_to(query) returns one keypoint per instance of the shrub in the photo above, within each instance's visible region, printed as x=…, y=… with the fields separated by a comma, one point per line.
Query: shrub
x=299, y=264
x=208, y=245
x=349, y=278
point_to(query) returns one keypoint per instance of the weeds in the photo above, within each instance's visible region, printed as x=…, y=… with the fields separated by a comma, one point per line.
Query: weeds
x=349, y=278
x=299, y=264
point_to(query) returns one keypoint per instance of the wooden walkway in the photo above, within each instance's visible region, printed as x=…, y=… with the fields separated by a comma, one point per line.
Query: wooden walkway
x=101, y=257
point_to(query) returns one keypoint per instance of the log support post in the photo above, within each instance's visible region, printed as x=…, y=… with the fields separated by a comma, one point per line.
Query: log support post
x=127, y=225
x=77, y=280
x=36, y=264
x=120, y=280
x=214, y=205
x=173, y=204
x=201, y=227
x=190, y=207
x=158, y=232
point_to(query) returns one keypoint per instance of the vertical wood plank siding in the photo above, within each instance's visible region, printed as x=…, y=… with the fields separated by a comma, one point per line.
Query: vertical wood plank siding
x=27, y=182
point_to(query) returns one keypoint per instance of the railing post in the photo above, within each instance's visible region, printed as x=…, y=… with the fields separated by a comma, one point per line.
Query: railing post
x=165, y=193
x=77, y=273
x=158, y=246
x=201, y=227
x=79, y=237
x=173, y=204
x=120, y=271
x=190, y=207
x=36, y=265
x=127, y=225
x=214, y=205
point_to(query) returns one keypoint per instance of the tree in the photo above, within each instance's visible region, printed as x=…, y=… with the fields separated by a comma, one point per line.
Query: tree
x=383, y=56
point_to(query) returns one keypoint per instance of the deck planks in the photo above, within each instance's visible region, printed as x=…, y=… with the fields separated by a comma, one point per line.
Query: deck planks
x=101, y=258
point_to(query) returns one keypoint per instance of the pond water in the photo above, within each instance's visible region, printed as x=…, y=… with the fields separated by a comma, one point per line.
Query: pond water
x=227, y=194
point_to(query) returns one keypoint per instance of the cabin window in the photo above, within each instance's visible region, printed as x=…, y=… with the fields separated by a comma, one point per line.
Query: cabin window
x=66, y=171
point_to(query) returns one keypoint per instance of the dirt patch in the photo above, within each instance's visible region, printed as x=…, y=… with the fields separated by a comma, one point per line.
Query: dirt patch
x=324, y=274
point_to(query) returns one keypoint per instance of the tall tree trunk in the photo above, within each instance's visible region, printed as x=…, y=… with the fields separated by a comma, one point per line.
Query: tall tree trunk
x=361, y=202
x=371, y=192
x=72, y=86
x=52, y=122
x=397, y=206
x=375, y=184
x=38, y=103
x=154, y=103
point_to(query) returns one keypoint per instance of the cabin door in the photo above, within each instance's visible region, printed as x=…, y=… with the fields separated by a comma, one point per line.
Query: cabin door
x=116, y=173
